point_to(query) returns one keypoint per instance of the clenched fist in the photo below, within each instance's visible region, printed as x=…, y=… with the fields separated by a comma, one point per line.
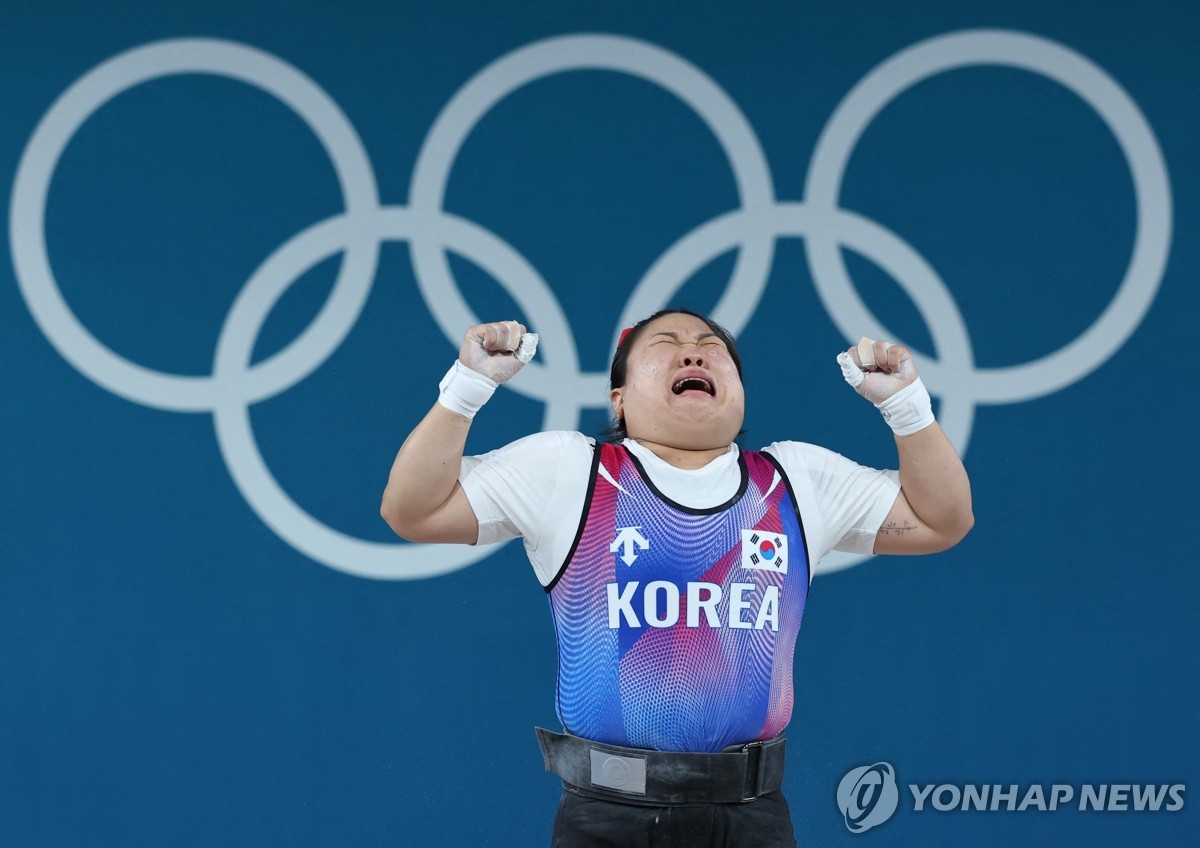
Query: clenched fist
x=491, y=349
x=877, y=369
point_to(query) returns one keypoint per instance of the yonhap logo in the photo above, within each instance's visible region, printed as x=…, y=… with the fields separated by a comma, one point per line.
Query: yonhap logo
x=868, y=796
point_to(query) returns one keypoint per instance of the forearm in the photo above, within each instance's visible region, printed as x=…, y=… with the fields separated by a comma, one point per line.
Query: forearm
x=422, y=501
x=425, y=470
x=935, y=482
x=933, y=510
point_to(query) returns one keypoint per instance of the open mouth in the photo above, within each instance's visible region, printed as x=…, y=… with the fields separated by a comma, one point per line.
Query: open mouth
x=693, y=384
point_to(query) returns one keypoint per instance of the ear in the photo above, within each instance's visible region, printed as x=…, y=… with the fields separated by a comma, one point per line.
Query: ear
x=617, y=399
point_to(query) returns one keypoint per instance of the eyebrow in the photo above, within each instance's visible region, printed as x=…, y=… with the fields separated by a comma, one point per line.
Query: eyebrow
x=699, y=338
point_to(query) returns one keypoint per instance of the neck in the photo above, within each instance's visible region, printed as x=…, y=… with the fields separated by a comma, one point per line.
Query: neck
x=684, y=458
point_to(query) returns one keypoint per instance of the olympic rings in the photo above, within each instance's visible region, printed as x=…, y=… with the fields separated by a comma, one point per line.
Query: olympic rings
x=761, y=220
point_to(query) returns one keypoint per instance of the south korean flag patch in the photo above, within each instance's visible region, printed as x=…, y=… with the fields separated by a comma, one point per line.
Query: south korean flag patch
x=764, y=551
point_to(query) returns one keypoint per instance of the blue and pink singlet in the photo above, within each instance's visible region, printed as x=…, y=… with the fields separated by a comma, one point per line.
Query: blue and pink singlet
x=676, y=627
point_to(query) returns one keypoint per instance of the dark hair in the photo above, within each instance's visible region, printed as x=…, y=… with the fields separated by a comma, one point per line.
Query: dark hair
x=616, y=431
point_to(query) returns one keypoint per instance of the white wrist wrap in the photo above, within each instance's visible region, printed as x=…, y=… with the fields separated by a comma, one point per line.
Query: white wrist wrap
x=464, y=390
x=908, y=410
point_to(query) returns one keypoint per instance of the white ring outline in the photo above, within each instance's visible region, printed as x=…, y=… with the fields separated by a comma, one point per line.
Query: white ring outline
x=527, y=64
x=892, y=254
x=1081, y=76
x=27, y=234
x=231, y=414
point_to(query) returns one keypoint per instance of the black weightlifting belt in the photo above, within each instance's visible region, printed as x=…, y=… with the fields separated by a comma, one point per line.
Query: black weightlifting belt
x=660, y=778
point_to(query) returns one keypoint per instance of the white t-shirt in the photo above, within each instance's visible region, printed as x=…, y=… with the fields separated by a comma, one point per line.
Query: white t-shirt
x=535, y=487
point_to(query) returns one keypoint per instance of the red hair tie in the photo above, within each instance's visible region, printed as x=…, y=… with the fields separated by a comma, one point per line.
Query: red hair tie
x=624, y=333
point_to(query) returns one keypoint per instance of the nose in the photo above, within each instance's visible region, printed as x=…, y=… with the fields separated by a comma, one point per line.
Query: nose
x=690, y=358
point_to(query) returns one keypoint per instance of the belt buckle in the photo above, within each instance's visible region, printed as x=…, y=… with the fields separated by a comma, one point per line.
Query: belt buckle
x=753, y=767
x=616, y=772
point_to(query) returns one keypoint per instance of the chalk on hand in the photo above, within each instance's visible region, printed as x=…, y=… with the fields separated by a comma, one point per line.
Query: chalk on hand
x=853, y=374
x=527, y=348
x=866, y=352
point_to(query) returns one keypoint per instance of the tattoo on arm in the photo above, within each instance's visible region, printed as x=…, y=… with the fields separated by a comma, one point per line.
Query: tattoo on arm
x=896, y=528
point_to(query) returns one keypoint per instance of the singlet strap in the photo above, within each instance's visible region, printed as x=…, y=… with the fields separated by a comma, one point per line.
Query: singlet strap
x=597, y=451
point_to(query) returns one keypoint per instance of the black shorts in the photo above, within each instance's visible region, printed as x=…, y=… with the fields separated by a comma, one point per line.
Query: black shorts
x=584, y=822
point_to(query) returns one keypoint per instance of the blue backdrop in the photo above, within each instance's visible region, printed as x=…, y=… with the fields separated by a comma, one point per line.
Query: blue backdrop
x=245, y=238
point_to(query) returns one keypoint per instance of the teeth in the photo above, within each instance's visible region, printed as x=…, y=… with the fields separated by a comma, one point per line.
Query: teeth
x=704, y=384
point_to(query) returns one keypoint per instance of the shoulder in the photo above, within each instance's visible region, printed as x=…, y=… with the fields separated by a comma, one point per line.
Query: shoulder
x=802, y=456
x=825, y=469
x=557, y=443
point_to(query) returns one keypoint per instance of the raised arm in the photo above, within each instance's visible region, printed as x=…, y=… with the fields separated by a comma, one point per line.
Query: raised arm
x=423, y=501
x=933, y=510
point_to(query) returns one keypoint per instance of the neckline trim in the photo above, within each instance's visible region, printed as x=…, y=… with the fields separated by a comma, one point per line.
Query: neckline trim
x=744, y=481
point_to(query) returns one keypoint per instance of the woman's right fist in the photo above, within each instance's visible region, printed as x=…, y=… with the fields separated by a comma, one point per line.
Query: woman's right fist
x=490, y=349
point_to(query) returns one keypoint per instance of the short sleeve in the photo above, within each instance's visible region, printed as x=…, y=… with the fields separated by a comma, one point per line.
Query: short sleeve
x=512, y=490
x=843, y=504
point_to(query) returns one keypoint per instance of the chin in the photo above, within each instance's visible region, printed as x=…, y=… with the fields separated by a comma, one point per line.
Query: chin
x=707, y=438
